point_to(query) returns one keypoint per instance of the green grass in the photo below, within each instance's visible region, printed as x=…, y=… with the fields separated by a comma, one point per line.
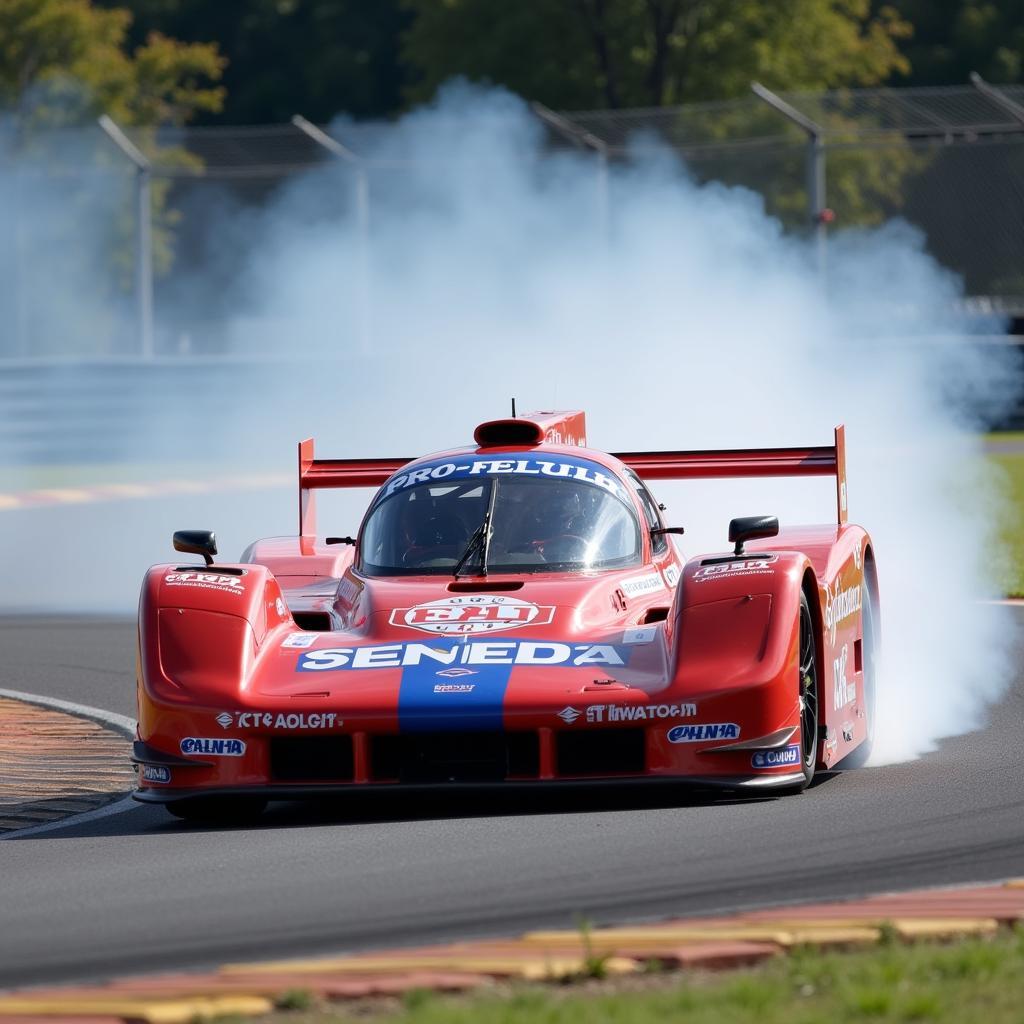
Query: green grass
x=1010, y=573
x=969, y=981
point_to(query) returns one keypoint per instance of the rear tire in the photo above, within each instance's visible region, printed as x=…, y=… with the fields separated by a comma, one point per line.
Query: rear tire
x=218, y=810
x=807, y=693
x=807, y=683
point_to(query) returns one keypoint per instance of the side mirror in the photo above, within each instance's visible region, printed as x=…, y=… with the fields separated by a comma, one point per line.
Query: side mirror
x=657, y=531
x=751, y=528
x=196, y=542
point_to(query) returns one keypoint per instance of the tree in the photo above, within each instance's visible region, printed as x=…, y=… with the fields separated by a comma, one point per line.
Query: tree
x=312, y=57
x=65, y=62
x=67, y=209
x=952, y=38
x=637, y=53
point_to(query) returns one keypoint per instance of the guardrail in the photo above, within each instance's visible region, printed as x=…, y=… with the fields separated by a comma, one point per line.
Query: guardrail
x=164, y=409
x=191, y=408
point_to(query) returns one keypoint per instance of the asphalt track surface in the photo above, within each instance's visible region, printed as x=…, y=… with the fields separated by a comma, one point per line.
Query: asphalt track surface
x=139, y=891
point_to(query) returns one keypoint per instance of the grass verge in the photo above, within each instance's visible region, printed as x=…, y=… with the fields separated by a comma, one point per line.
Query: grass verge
x=1010, y=574
x=971, y=980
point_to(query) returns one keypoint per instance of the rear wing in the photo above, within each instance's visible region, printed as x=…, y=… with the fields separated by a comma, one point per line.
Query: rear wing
x=825, y=461
x=318, y=474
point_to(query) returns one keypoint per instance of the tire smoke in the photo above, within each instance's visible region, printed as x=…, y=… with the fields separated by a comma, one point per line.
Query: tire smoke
x=685, y=318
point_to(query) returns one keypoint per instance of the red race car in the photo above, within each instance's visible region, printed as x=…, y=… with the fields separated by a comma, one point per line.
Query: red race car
x=514, y=612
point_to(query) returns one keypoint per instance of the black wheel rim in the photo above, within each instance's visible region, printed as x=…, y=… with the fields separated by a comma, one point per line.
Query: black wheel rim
x=808, y=691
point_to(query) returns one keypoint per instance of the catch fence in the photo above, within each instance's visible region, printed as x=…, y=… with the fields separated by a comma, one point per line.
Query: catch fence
x=127, y=243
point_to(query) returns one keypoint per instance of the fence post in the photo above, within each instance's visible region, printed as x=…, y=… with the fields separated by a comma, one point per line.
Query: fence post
x=362, y=194
x=583, y=139
x=143, y=231
x=999, y=98
x=815, y=165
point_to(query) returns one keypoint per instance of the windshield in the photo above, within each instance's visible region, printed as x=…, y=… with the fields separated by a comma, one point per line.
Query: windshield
x=536, y=525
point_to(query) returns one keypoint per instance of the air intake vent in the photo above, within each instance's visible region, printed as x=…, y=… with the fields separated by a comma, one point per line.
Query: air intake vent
x=455, y=757
x=569, y=428
x=600, y=752
x=499, y=432
x=313, y=622
x=311, y=758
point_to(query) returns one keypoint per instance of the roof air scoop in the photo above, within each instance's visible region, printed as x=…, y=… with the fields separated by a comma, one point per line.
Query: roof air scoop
x=568, y=428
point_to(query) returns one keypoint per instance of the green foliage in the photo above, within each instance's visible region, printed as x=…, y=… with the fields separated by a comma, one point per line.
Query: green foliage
x=952, y=38
x=65, y=62
x=417, y=998
x=1008, y=563
x=294, y=999
x=639, y=53
x=310, y=57
x=62, y=64
x=595, y=965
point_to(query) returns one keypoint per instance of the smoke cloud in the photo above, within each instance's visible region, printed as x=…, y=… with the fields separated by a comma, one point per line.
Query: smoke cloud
x=686, y=318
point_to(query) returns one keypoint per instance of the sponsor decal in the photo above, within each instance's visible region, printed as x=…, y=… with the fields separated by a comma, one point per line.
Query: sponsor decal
x=840, y=605
x=216, y=747
x=777, y=758
x=844, y=691
x=299, y=640
x=535, y=653
x=744, y=567
x=279, y=606
x=532, y=465
x=279, y=720
x=156, y=773
x=568, y=715
x=640, y=585
x=472, y=613
x=697, y=733
x=206, y=581
x=454, y=687
x=848, y=731
x=672, y=574
x=638, y=712
x=454, y=673
x=639, y=635
x=857, y=556
x=555, y=436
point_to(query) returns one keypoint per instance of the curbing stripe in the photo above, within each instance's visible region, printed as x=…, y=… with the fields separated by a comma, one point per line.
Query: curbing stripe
x=126, y=803
x=708, y=956
x=269, y=986
x=176, y=1011
x=911, y=929
x=803, y=935
x=118, y=723
x=530, y=967
x=122, y=723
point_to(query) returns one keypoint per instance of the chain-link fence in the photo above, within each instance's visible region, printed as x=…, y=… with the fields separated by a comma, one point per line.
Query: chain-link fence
x=121, y=243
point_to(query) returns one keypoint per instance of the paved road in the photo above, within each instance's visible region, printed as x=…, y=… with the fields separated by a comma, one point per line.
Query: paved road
x=141, y=892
